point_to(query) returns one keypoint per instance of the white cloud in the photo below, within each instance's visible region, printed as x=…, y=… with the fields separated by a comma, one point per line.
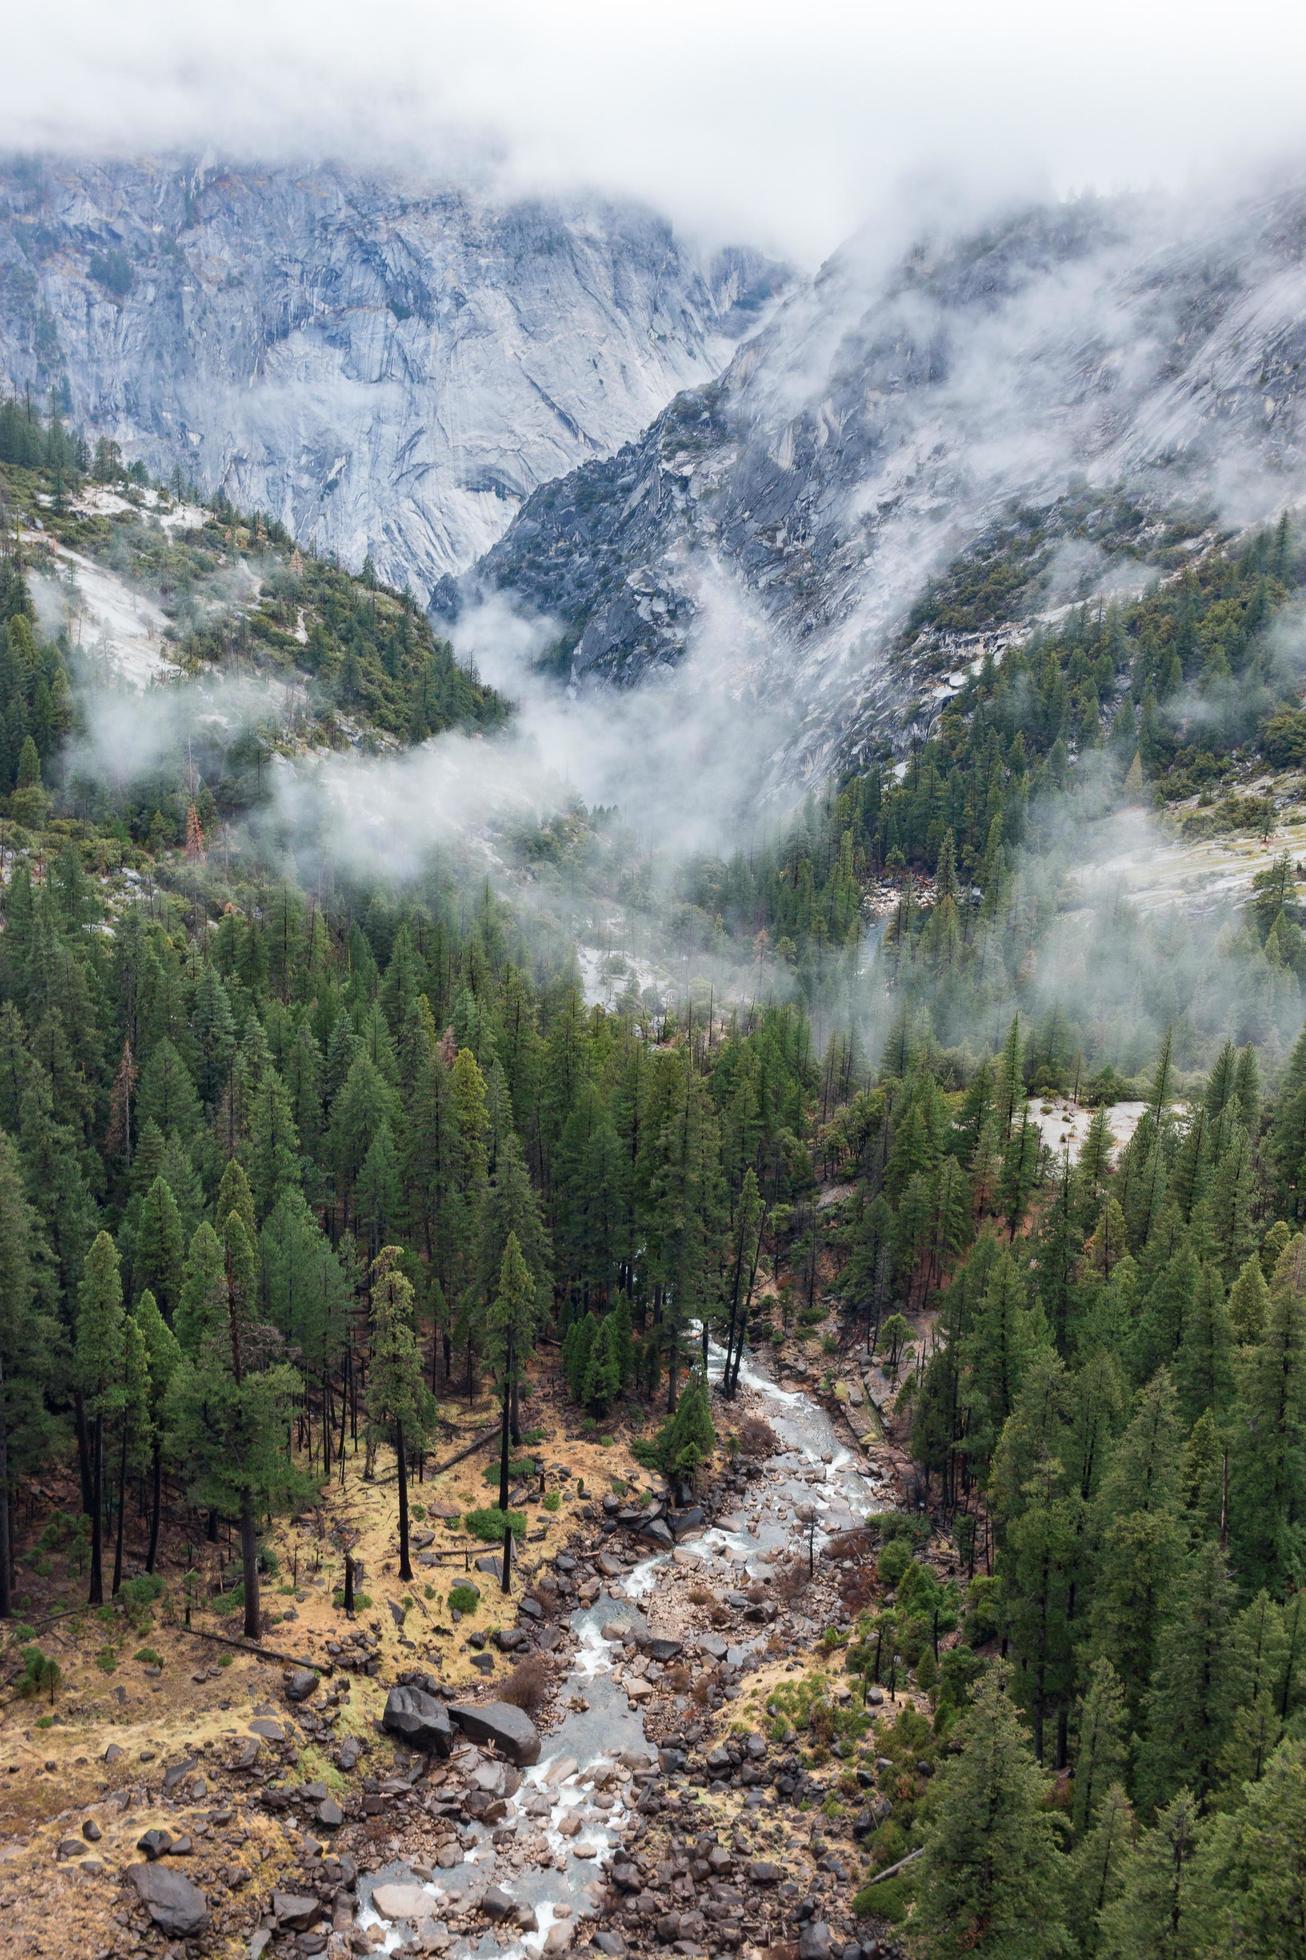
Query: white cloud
x=740, y=117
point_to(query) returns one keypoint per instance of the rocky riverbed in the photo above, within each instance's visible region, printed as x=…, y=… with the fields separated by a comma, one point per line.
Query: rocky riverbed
x=655, y=1799
x=659, y=1643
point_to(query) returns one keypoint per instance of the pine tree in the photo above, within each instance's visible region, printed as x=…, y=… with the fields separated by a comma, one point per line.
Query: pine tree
x=1099, y=1867
x=1268, y=1469
x=27, y=1350
x=992, y=1879
x=230, y=1398
x=511, y=1330
x=1248, y=1881
x=159, y=1252
x=272, y=1152
x=1249, y=1303
x=202, y=1300
x=687, y=1439
x=1140, y=1534
x=399, y=1405
x=1191, y=1697
x=99, y=1366
x=162, y=1354
x=1101, y=1755
x=1154, y=1916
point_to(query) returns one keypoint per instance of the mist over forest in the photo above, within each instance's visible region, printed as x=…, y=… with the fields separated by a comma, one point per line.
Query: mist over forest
x=652, y=945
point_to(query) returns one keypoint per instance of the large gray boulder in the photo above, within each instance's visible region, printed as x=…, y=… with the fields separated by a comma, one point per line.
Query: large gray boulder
x=497, y=1724
x=178, y=1908
x=418, y=1719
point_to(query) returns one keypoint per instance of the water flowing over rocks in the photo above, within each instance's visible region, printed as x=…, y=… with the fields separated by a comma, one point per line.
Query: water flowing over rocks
x=585, y=1835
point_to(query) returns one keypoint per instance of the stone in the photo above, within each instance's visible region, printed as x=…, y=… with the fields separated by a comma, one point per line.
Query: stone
x=178, y=1908
x=154, y=1844
x=329, y=1814
x=418, y=1719
x=509, y=1639
x=399, y=1900
x=814, y=1942
x=496, y=1903
x=498, y=1725
x=659, y=1647
x=91, y=1831
x=300, y=1683
x=297, y=1910
x=657, y=1532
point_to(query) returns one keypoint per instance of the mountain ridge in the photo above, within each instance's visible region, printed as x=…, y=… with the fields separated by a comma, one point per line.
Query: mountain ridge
x=387, y=367
x=864, y=442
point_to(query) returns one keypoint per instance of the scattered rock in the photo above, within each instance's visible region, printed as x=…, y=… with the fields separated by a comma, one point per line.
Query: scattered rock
x=418, y=1719
x=397, y=1899
x=178, y=1908
x=297, y=1910
x=499, y=1725
x=300, y=1683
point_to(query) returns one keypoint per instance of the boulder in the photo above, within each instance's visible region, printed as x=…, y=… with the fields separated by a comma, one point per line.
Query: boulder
x=814, y=1941
x=659, y=1648
x=656, y=1531
x=297, y=1910
x=497, y=1724
x=178, y=1908
x=419, y=1720
x=400, y=1900
x=300, y=1683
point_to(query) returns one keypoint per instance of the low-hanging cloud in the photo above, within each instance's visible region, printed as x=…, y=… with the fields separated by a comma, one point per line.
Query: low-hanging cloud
x=738, y=119
x=684, y=757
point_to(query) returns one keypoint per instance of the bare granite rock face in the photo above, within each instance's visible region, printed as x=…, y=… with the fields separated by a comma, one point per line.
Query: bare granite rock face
x=386, y=366
x=1067, y=395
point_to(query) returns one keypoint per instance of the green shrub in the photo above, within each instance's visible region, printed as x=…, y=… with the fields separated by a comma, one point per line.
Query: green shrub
x=41, y=1675
x=552, y=1500
x=890, y=1900
x=107, y=1659
x=518, y=1466
x=463, y=1599
x=490, y=1524
x=148, y=1657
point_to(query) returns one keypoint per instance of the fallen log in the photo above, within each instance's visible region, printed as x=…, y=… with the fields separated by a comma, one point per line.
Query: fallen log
x=891, y=1871
x=264, y=1653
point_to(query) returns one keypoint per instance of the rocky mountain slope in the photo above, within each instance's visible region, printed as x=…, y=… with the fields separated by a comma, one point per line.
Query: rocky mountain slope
x=383, y=367
x=920, y=450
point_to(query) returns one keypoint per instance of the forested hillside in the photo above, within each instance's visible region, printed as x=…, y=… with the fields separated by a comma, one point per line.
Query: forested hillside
x=291, y=1176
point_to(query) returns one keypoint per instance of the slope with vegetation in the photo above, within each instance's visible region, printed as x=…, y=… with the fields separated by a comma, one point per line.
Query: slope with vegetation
x=306, y=1190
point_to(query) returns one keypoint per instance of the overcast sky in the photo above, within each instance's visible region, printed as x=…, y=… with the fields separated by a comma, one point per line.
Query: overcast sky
x=782, y=124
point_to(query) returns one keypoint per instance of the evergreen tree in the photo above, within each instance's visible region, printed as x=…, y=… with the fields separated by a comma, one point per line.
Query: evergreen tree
x=992, y=1878
x=398, y=1402
x=100, y=1375
x=1268, y=1469
x=1154, y=1916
